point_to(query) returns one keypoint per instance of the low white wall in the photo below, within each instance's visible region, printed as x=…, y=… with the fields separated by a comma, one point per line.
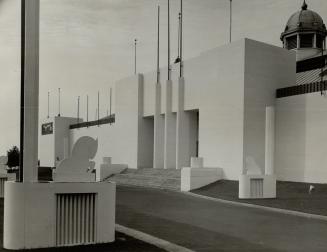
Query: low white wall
x=27, y=226
x=301, y=138
x=193, y=178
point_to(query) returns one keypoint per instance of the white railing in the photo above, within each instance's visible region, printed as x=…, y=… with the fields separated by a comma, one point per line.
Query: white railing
x=75, y=218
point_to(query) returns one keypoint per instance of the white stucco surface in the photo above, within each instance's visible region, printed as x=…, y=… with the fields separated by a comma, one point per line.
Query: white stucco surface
x=36, y=228
x=193, y=178
x=301, y=139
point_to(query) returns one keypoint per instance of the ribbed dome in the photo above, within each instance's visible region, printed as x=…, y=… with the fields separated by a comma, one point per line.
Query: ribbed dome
x=305, y=20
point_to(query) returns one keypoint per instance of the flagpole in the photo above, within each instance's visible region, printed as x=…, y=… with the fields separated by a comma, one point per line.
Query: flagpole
x=181, y=41
x=58, y=101
x=230, y=21
x=135, y=43
x=22, y=92
x=158, y=47
x=48, y=105
x=169, y=40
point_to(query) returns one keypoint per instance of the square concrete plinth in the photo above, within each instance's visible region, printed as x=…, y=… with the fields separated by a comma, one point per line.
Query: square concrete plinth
x=40, y=215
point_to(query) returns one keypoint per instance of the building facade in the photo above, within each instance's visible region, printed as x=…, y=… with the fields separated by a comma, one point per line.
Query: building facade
x=217, y=110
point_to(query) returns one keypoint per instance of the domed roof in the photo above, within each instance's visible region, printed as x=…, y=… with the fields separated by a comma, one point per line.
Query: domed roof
x=305, y=20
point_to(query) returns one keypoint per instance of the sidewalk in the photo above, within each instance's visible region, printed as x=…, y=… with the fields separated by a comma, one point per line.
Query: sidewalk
x=290, y=196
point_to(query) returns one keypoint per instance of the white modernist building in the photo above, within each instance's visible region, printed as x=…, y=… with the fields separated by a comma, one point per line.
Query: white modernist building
x=242, y=107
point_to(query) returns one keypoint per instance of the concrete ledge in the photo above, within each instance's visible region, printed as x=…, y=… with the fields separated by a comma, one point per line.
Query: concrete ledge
x=267, y=187
x=166, y=245
x=193, y=178
x=33, y=215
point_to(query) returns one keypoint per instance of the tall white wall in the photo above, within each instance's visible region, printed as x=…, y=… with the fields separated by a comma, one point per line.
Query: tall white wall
x=267, y=68
x=301, y=139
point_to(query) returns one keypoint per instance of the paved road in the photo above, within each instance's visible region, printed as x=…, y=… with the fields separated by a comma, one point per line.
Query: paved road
x=204, y=225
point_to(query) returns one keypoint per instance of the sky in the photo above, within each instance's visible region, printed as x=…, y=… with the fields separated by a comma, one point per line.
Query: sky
x=87, y=45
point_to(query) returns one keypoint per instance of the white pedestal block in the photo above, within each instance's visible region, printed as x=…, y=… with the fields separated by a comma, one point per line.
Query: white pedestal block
x=257, y=186
x=42, y=215
x=196, y=162
x=193, y=178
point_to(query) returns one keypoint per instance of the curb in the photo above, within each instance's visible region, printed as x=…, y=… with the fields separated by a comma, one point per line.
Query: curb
x=271, y=209
x=160, y=243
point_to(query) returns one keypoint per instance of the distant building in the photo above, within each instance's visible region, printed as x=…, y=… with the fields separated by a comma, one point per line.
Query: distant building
x=218, y=110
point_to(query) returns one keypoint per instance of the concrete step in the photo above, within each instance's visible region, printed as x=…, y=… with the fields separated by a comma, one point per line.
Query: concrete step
x=158, y=178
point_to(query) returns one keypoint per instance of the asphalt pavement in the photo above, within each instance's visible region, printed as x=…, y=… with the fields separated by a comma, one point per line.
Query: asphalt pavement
x=204, y=225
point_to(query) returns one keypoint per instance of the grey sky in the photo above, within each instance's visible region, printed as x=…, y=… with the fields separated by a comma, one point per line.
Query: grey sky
x=86, y=45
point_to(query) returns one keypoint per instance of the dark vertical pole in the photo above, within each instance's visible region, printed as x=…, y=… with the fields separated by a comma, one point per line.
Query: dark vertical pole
x=110, y=105
x=322, y=67
x=179, y=35
x=181, y=42
x=78, y=109
x=230, y=20
x=98, y=108
x=87, y=108
x=48, y=105
x=135, y=43
x=22, y=83
x=158, y=47
x=58, y=101
x=168, y=40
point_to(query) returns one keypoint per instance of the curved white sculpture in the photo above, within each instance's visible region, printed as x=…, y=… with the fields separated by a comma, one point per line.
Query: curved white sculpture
x=78, y=167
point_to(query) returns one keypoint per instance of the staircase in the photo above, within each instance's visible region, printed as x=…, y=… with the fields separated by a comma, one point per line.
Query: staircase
x=149, y=177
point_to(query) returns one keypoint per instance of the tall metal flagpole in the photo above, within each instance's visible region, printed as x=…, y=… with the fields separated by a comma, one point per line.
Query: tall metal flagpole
x=98, y=108
x=230, y=21
x=135, y=43
x=78, y=109
x=169, y=40
x=181, y=42
x=48, y=105
x=158, y=47
x=110, y=106
x=58, y=101
x=87, y=108
x=178, y=59
x=22, y=83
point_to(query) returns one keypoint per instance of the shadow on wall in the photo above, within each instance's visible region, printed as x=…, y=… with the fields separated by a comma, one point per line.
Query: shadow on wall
x=291, y=130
